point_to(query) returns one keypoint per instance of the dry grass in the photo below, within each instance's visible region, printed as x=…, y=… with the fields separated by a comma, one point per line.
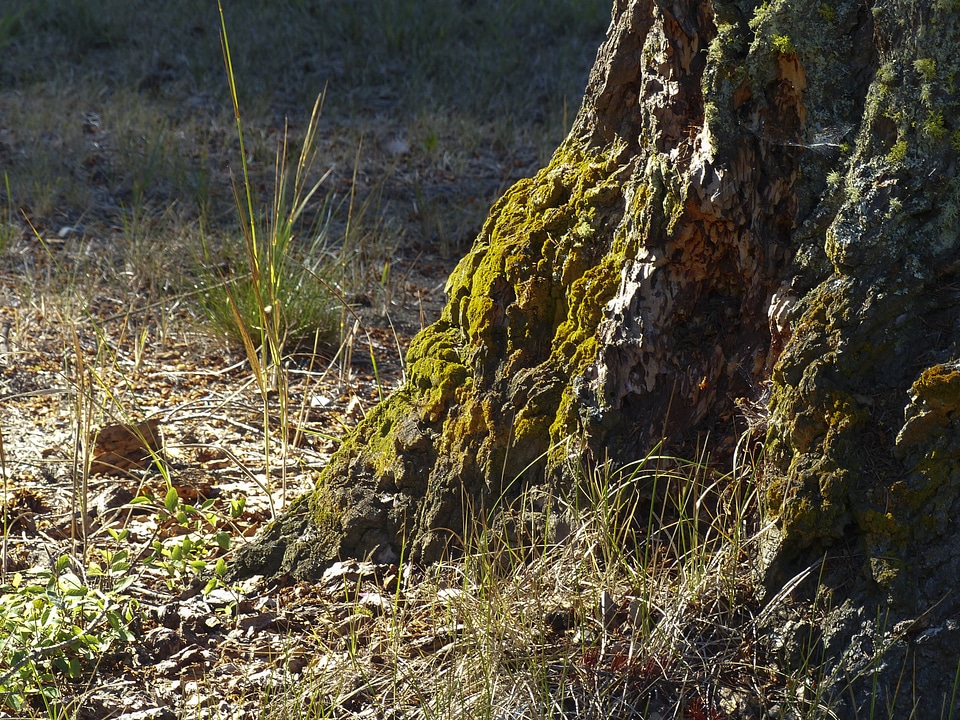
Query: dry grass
x=634, y=609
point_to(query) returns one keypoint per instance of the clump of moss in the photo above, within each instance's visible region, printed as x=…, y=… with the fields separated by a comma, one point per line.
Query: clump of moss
x=933, y=126
x=784, y=45
x=887, y=73
x=927, y=67
x=898, y=153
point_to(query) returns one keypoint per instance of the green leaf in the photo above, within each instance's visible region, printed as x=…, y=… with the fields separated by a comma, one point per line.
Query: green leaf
x=223, y=540
x=171, y=501
x=123, y=584
x=62, y=563
x=12, y=698
x=221, y=568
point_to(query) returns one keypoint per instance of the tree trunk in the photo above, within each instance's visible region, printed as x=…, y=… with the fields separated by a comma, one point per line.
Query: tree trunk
x=756, y=208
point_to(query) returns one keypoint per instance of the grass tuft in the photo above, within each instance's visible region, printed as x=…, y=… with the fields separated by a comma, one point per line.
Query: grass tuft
x=635, y=603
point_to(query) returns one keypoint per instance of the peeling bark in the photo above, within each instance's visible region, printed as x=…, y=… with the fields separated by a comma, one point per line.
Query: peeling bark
x=757, y=202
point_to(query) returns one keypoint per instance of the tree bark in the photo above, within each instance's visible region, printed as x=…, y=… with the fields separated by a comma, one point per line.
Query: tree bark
x=757, y=207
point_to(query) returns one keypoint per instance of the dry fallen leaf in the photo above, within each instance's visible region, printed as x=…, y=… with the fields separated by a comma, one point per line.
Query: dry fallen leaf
x=121, y=447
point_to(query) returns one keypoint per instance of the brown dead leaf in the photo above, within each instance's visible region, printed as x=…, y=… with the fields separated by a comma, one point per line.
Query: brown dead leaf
x=119, y=448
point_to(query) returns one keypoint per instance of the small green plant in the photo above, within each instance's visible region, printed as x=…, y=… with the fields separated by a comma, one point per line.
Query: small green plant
x=8, y=228
x=191, y=545
x=56, y=624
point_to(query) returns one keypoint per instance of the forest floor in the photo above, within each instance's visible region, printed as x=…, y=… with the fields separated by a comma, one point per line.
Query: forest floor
x=118, y=219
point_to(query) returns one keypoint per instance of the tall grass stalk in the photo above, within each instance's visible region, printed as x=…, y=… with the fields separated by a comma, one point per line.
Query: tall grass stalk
x=275, y=292
x=953, y=695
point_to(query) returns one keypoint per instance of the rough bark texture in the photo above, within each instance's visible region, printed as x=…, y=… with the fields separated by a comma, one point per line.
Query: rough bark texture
x=699, y=243
x=864, y=434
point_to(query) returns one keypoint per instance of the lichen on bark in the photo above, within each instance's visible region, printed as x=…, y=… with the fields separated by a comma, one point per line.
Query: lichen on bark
x=862, y=459
x=842, y=382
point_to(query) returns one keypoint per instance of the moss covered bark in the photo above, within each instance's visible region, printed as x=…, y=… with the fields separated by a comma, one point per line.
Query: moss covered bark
x=864, y=470
x=870, y=337
x=758, y=204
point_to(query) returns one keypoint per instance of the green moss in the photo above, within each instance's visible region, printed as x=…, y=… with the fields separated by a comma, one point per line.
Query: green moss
x=759, y=13
x=827, y=13
x=887, y=74
x=898, y=153
x=436, y=371
x=927, y=67
x=939, y=387
x=883, y=525
x=530, y=432
x=325, y=513
x=896, y=207
x=711, y=114
x=933, y=126
x=530, y=294
x=784, y=45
